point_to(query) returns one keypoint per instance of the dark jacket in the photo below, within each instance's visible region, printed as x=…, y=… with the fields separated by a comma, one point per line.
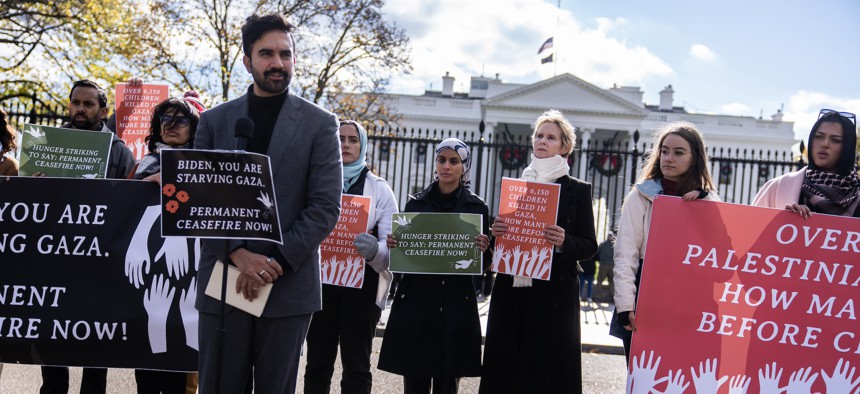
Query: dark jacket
x=533, y=334
x=433, y=329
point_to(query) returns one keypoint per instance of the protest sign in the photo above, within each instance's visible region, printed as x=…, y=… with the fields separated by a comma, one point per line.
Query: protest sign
x=218, y=194
x=528, y=208
x=734, y=296
x=340, y=263
x=437, y=243
x=134, y=107
x=64, y=153
x=87, y=280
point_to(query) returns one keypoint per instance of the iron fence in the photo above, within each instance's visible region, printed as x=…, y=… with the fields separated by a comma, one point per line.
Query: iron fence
x=406, y=159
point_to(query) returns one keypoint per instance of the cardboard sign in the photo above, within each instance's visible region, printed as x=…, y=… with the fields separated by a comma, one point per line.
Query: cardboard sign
x=64, y=153
x=437, y=243
x=340, y=263
x=528, y=208
x=218, y=194
x=134, y=107
x=734, y=296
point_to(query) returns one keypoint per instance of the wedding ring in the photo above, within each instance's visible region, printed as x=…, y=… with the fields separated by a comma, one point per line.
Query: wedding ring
x=261, y=272
x=268, y=260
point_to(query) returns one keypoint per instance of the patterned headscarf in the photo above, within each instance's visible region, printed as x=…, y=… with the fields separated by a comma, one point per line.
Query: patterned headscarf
x=831, y=193
x=463, y=150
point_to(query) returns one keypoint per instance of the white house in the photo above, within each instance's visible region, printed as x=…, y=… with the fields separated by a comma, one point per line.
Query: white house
x=597, y=113
x=600, y=115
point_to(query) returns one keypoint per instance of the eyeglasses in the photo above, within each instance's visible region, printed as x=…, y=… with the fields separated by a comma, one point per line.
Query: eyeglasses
x=178, y=121
x=847, y=115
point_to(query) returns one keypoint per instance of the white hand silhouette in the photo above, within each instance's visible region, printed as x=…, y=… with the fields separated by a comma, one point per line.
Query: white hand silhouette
x=156, y=301
x=197, y=251
x=644, y=373
x=706, y=381
x=137, y=257
x=768, y=379
x=175, y=250
x=676, y=383
x=189, y=314
x=739, y=384
x=842, y=380
x=800, y=381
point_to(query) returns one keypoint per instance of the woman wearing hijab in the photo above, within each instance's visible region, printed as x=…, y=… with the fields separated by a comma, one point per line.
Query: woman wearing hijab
x=349, y=316
x=829, y=184
x=533, y=334
x=433, y=335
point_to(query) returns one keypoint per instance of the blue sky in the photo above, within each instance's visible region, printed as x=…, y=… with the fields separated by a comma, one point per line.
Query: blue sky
x=725, y=57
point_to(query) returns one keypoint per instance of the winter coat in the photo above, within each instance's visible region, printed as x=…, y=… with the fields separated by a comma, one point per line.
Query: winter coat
x=533, y=333
x=781, y=191
x=384, y=205
x=433, y=329
x=632, y=238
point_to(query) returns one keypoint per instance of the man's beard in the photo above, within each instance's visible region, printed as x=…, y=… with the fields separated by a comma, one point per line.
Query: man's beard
x=87, y=123
x=272, y=86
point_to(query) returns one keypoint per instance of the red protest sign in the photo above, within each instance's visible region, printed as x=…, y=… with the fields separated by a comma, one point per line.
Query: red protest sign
x=741, y=298
x=134, y=106
x=527, y=207
x=341, y=265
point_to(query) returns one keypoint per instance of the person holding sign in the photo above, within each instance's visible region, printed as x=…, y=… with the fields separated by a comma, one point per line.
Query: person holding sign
x=433, y=335
x=87, y=108
x=677, y=166
x=533, y=340
x=349, y=315
x=301, y=140
x=173, y=124
x=829, y=184
x=8, y=164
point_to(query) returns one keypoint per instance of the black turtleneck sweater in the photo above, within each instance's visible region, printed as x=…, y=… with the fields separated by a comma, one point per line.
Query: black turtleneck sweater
x=264, y=111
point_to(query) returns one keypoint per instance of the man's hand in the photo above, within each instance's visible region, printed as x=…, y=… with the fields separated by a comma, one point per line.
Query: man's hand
x=256, y=271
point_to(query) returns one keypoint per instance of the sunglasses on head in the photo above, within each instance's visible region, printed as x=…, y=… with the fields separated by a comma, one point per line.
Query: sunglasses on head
x=847, y=115
x=178, y=121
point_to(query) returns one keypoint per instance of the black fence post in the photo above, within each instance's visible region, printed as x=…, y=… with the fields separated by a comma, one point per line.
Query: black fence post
x=634, y=160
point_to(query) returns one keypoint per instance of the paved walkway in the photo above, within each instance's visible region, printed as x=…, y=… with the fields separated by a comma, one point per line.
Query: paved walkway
x=594, y=319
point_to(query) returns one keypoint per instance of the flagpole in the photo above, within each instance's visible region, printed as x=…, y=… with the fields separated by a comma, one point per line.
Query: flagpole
x=557, y=48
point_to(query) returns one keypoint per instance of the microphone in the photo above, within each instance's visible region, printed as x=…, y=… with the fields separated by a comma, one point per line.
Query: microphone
x=244, y=132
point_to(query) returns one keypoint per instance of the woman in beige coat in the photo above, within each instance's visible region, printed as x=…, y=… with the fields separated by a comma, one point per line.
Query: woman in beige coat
x=678, y=166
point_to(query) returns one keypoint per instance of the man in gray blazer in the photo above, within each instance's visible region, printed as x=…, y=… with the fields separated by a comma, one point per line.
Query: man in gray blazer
x=302, y=141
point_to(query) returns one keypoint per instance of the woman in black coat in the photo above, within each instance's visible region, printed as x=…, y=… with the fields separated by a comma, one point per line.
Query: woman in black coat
x=533, y=334
x=433, y=335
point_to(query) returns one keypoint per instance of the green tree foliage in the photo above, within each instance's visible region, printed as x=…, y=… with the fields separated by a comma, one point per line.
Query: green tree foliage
x=344, y=47
x=45, y=45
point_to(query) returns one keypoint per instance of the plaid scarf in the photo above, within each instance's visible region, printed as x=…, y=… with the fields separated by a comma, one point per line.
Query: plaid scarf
x=830, y=193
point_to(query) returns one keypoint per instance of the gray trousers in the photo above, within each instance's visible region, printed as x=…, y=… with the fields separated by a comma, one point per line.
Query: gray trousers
x=272, y=346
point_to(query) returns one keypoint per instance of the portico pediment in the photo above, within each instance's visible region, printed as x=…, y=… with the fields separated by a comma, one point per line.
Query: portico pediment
x=568, y=94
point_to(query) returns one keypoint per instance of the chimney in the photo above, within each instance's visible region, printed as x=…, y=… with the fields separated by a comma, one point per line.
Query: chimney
x=666, y=99
x=777, y=117
x=447, y=85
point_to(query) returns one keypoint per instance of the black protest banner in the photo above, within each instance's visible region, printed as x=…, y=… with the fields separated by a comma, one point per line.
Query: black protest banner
x=218, y=194
x=87, y=279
